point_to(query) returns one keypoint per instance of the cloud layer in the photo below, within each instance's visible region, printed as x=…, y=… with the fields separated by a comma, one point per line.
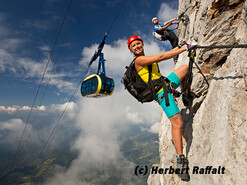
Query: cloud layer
x=99, y=121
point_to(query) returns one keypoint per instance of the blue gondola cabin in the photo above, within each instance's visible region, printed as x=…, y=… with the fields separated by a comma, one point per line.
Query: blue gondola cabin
x=96, y=86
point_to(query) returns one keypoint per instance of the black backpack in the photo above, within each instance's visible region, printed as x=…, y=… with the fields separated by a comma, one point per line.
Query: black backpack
x=143, y=92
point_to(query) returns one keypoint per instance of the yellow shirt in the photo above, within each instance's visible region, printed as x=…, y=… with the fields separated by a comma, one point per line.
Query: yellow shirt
x=143, y=73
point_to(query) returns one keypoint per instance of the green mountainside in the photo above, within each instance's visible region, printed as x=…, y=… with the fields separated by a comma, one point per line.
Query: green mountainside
x=139, y=147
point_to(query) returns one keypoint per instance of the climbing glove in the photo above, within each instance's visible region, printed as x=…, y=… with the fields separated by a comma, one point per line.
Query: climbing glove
x=191, y=46
x=182, y=43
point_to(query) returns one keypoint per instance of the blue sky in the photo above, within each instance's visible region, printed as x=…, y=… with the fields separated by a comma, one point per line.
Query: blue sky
x=28, y=30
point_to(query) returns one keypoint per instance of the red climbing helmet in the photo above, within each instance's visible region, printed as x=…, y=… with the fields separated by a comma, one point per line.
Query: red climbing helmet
x=132, y=38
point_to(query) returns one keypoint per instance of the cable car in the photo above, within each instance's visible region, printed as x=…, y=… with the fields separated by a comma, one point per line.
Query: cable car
x=98, y=85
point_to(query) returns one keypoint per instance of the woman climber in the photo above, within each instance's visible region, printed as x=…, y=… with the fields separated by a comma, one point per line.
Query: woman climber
x=177, y=78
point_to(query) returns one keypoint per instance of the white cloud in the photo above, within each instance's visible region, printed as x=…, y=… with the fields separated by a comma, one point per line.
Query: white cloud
x=26, y=68
x=11, y=132
x=15, y=108
x=102, y=120
x=132, y=115
x=71, y=110
x=8, y=109
x=4, y=31
x=15, y=62
x=29, y=67
x=45, y=48
x=13, y=124
x=53, y=108
x=155, y=128
x=43, y=25
x=166, y=12
x=118, y=56
x=11, y=44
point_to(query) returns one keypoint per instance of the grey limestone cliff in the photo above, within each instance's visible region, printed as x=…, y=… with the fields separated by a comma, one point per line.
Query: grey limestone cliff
x=215, y=123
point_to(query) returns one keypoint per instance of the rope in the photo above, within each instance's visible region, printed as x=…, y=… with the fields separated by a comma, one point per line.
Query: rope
x=116, y=17
x=191, y=55
x=37, y=92
x=47, y=84
x=191, y=62
x=60, y=118
x=204, y=77
x=223, y=46
x=65, y=109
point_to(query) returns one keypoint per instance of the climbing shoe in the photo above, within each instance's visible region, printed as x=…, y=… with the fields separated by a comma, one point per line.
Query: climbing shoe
x=183, y=166
x=185, y=98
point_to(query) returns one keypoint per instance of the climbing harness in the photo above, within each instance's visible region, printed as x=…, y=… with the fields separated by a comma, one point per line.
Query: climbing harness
x=171, y=89
x=175, y=93
x=168, y=89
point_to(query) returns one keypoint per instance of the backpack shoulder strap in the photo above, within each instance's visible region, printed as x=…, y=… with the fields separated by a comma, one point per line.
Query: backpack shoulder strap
x=150, y=68
x=150, y=82
x=133, y=61
x=158, y=68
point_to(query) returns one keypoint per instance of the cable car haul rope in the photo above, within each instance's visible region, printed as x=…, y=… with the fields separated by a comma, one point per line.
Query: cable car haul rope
x=105, y=85
x=99, y=85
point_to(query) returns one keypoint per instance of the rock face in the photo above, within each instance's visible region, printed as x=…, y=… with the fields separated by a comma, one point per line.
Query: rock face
x=215, y=124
